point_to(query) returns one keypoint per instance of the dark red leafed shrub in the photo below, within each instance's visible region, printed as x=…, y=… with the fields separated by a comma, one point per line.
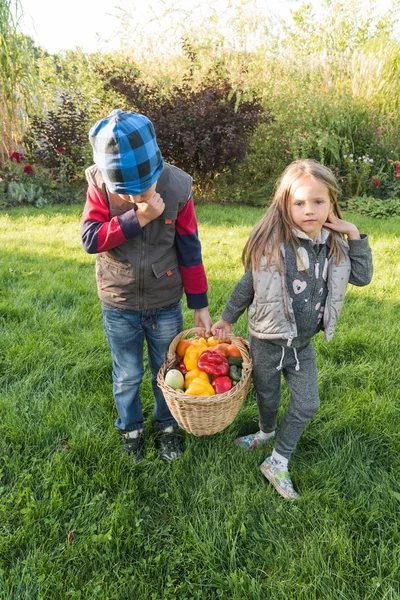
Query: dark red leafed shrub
x=58, y=140
x=204, y=130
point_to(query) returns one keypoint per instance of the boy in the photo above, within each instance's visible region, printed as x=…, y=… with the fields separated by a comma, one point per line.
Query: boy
x=139, y=219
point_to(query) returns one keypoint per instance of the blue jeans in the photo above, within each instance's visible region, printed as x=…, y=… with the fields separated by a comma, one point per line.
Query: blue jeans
x=126, y=331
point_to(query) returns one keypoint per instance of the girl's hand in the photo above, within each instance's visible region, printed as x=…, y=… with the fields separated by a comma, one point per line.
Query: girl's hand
x=221, y=330
x=341, y=226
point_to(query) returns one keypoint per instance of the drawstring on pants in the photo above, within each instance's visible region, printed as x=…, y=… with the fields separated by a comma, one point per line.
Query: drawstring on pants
x=297, y=360
x=279, y=367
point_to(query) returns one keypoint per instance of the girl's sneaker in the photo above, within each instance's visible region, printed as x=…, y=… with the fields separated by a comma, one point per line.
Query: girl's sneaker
x=252, y=440
x=279, y=479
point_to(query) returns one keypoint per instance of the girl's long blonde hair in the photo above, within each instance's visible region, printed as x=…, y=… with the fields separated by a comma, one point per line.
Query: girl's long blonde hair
x=277, y=226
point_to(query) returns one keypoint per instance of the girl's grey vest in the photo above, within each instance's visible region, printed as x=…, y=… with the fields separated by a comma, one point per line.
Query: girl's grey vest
x=143, y=273
x=271, y=316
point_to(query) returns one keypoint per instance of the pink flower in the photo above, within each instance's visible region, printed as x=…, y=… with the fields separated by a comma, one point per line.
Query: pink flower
x=398, y=174
x=28, y=169
x=288, y=152
x=282, y=141
x=377, y=183
x=60, y=149
x=398, y=166
x=337, y=169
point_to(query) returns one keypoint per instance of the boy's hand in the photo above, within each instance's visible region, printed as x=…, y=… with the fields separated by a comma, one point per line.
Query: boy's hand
x=221, y=330
x=149, y=210
x=342, y=227
x=202, y=319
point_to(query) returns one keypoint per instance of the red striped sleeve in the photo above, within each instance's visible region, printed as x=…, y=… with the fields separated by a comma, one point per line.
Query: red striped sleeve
x=194, y=279
x=189, y=257
x=186, y=222
x=100, y=231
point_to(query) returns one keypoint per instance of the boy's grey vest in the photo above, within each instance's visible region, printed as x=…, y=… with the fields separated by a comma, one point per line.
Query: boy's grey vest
x=143, y=273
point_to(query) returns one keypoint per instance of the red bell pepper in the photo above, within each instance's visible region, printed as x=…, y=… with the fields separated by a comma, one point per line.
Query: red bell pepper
x=182, y=367
x=222, y=384
x=213, y=363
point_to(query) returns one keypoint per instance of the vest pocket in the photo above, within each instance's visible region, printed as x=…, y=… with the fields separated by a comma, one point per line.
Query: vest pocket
x=114, y=277
x=167, y=280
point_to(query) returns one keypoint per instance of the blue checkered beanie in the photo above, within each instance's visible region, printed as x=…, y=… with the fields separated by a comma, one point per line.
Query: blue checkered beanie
x=126, y=153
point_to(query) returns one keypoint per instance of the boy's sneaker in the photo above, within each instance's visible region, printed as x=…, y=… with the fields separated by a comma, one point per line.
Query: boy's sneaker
x=169, y=444
x=252, y=440
x=279, y=479
x=133, y=446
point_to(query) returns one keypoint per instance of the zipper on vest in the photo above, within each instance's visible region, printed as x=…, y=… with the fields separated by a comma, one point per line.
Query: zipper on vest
x=327, y=312
x=316, y=273
x=142, y=245
x=317, y=267
x=285, y=301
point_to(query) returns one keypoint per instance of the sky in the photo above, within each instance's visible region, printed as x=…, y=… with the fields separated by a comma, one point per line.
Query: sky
x=93, y=24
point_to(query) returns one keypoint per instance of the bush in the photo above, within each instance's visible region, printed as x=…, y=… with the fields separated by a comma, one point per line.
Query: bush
x=60, y=139
x=374, y=207
x=205, y=130
x=22, y=183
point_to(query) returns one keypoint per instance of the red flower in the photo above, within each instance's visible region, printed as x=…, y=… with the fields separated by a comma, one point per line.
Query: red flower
x=60, y=149
x=28, y=169
x=377, y=183
x=16, y=156
x=398, y=166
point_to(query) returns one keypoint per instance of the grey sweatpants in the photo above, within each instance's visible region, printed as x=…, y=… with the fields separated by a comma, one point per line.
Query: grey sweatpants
x=303, y=386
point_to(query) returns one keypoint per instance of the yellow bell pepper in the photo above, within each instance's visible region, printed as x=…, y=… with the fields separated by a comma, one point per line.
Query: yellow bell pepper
x=199, y=342
x=192, y=354
x=190, y=375
x=200, y=387
x=211, y=341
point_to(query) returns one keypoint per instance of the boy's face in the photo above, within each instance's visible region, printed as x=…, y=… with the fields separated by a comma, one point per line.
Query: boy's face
x=143, y=197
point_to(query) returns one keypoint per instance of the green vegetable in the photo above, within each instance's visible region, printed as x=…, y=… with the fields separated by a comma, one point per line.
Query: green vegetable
x=235, y=373
x=235, y=360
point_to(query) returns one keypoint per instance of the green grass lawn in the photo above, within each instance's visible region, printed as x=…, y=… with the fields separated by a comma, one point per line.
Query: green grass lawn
x=78, y=521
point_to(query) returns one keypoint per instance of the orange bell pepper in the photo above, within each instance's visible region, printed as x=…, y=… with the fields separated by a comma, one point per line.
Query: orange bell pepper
x=182, y=346
x=234, y=351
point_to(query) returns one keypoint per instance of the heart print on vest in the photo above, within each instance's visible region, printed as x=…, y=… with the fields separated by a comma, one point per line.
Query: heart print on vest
x=299, y=286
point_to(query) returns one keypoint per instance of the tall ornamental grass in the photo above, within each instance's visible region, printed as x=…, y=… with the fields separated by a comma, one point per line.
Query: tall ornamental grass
x=19, y=84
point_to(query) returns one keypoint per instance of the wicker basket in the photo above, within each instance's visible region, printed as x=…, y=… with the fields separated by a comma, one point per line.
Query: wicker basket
x=204, y=415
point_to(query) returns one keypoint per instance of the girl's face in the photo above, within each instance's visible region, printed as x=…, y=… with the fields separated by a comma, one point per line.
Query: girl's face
x=310, y=205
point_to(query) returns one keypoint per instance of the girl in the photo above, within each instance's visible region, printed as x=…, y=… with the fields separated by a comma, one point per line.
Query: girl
x=298, y=264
